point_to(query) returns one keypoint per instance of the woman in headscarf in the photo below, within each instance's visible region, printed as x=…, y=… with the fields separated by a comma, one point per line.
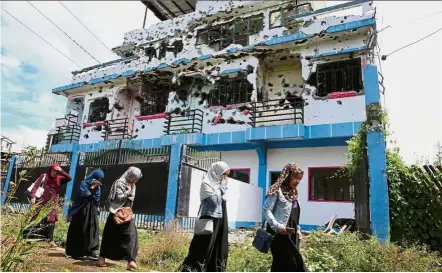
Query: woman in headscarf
x=120, y=241
x=282, y=204
x=208, y=253
x=51, y=183
x=83, y=239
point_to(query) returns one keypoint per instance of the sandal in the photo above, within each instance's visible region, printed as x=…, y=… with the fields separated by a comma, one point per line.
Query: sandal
x=132, y=266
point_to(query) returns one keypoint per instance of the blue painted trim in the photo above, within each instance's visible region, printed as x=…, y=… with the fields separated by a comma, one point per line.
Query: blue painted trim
x=309, y=143
x=172, y=184
x=161, y=66
x=230, y=71
x=379, y=201
x=371, y=85
x=328, y=9
x=204, y=57
x=128, y=74
x=179, y=61
x=233, y=50
x=148, y=69
x=70, y=184
x=8, y=178
x=103, y=79
x=106, y=64
x=311, y=227
x=243, y=224
x=68, y=87
x=337, y=52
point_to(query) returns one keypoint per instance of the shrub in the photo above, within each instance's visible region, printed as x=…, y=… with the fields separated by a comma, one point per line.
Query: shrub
x=245, y=258
x=348, y=253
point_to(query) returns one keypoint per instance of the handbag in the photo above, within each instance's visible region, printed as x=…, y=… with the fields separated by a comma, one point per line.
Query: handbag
x=40, y=189
x=262, y=240
x=203, y=226
x=123, y=215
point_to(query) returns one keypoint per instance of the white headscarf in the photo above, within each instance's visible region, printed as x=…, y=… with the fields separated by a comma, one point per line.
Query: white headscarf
x=212, y=180
x=131, y=174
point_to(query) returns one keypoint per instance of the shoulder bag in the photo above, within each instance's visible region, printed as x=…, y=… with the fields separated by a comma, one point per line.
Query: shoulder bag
x=40, y=189
x=123, y=215
x=262, y=239
x=203, y=226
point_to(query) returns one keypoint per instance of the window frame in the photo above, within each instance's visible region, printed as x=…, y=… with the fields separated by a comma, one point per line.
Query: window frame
x=326, y=201
x=242, y=169
x=283, y=14
x=90, y=109
x=223, y=100
x=154, y=96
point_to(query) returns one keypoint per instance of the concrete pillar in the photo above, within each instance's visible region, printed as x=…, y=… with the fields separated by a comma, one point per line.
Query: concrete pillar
x=261, y=150
x=172, y=184
x=377, y=162
x=8, y=178
x=70, y=184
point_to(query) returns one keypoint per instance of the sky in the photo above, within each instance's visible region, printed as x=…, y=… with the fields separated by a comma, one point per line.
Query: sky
x=30, y=68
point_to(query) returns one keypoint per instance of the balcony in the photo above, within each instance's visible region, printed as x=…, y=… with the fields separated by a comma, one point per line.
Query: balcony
x=117, y=129
x=276, y=112
x=190, y=121
x=67, y=130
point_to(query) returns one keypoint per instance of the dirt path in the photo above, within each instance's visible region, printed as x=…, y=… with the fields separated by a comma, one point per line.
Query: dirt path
x=54, y=260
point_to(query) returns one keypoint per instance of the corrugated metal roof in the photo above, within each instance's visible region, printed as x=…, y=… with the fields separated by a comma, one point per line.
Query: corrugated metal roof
x=168, y=9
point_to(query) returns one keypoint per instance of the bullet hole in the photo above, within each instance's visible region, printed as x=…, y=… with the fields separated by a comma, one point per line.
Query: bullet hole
x=86, y=136
x=98, y=128
x=90, y=94
x=271, y=90
x=136, y=130
x=339, y=102
x=285, y=85
x=270, y=84
x=342, y=21
x=323, y=23
x=280, y=76
x=100, y=90
x=143, y=126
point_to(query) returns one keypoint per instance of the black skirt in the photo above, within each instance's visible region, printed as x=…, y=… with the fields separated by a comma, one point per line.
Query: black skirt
x=208, y=253
x=43, y=230
x=120, y=242
x=83, y=235
x=285, y=254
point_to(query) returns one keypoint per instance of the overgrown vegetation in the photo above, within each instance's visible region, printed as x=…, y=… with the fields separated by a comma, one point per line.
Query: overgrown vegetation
x=415, y=207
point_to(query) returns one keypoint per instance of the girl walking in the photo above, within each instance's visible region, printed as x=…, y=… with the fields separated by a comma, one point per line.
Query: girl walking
x=282, y=204
x=209, y=252
x=120, y=238
x=83, y=236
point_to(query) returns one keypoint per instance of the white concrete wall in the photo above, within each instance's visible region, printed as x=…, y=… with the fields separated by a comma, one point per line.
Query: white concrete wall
x=312, y=213
x=243, y=160
x=242, y=199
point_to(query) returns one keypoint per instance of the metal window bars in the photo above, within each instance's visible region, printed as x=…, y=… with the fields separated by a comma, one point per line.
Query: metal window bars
x=68, y=130
x=277, y=112
x=189, y=121
x=117, y=129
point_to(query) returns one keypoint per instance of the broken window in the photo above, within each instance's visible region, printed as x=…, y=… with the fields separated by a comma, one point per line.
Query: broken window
x=240, y=31
x=154, y=94
x=177, y=47
x=151, y=52
x=98, y=109
x=231, y=91
x=329, y=184
x=282, y=16
x=337, y=77
x=162, y=50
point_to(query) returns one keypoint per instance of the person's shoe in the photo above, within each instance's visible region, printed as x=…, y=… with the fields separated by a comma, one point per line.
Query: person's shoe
x=93, y=256
x=52, y=244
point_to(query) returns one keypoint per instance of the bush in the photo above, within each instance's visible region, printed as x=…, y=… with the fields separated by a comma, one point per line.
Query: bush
x=245, y=258
x=348, y=253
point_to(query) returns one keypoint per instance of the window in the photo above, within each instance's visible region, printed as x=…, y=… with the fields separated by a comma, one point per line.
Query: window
x=281, y=17
x=329, y=184
x=162, y=51
x=338, y=77
x=177, y=47
x=230, y=91
x=274, y=177
x=240, y=31
x=242, y=175
x=154, y=102
x=151, y=52
x=98, y=110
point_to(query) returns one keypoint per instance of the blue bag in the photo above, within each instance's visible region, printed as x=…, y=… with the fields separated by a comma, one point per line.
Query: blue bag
x=262, y=240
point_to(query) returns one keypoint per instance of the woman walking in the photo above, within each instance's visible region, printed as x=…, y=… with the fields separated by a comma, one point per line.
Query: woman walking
x=83, y=237
x=120, y=238
x=281, y=204
x=51, y=182
x=208, y=253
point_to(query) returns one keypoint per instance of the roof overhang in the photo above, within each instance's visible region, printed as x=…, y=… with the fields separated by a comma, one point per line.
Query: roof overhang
x=168, y=9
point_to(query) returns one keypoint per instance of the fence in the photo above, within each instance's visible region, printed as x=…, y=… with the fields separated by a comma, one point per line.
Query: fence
x=191, y=121
x=277, y=112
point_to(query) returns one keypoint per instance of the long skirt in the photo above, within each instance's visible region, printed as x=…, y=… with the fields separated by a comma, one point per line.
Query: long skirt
x=120, y=242
x=43, y=230
x=83, y=235
x=286, y=257
x=208, y=253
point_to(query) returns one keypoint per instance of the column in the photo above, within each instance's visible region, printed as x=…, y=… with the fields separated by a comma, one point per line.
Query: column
x=8, y=179
x=172, y=184
x=70, y=184
x=261, y=150
x=377, y=162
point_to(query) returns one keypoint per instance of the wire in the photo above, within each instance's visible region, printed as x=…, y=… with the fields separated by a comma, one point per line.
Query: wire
x=408, y=22
x=384, y=57
x=63, y=32
x=41, y=37
x=84, y=26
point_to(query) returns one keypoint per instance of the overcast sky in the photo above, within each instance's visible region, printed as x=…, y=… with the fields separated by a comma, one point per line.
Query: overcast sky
x=31, y=68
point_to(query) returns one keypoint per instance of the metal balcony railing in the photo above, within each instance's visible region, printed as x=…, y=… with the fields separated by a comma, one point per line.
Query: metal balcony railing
x=276, y=112
x=117, y=129
x=67, y=130
x=191, y=121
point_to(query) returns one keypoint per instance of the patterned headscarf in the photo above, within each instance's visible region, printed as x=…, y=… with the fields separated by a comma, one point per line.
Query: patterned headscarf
x=288, y=172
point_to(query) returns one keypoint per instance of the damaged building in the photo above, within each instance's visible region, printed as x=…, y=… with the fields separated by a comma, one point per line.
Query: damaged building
x=264, y=83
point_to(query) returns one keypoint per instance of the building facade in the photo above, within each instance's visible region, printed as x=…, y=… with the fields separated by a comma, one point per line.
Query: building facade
x=264, y=83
